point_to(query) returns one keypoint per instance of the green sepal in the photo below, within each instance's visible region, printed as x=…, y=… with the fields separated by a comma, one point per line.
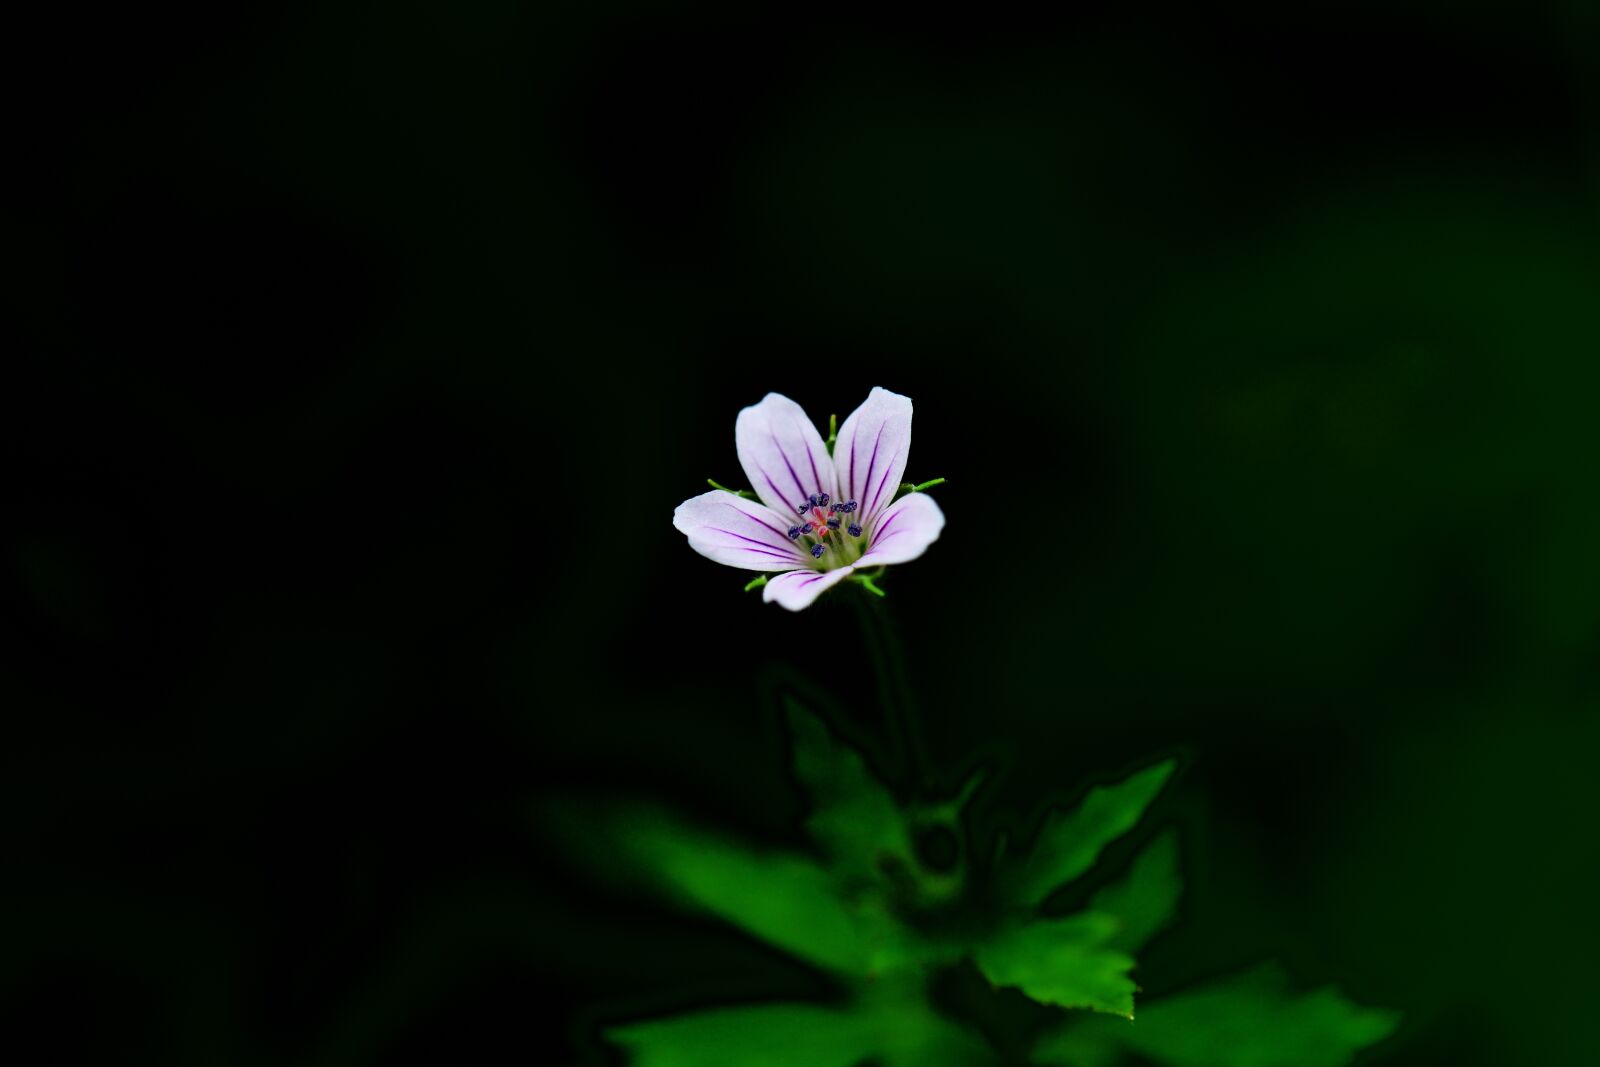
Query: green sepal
x=922, y=487
x=747, y=494
x=866, y=582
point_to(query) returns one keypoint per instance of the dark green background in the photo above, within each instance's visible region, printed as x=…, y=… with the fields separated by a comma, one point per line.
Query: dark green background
x=369, y=347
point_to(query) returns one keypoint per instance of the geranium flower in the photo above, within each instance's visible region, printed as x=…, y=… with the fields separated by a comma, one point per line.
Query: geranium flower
x=822, y=517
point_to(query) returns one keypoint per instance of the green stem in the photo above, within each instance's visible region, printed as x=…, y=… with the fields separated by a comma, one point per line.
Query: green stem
x=894, y=688
x=756, y=583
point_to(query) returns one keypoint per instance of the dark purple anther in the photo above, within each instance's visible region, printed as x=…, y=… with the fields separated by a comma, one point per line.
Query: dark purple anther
x=821, y=499
x=817, y=550
x=795, y=532
x=855, y=529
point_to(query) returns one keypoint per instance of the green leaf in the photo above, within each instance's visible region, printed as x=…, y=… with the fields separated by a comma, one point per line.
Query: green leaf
x=1146, y=899
x=912, y=1034
x=774, y=1035
x=919, y=1038
x=1252, y=1020
x=786, y=900
x=892, y=1026
x=1065, y=962
x=1068, y=844
x=854, y=819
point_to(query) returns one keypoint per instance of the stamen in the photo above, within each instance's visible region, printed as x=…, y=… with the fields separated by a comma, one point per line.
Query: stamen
x=817, y=550
x=795, y=532
x=855, y=529
x=821, y=500
x=846, y=507
x=833, y=523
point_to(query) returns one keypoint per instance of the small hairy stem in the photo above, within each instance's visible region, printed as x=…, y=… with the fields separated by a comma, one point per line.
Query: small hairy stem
x=756, y=583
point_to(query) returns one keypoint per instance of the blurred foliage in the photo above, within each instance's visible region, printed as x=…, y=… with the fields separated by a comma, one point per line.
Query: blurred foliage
x=1249, y=1021
x=885, y=922
x=1070, y=842
x=854, y=819
x=894, y=1026
x=1146, y=900
x=768, y=1036
x=797, y=908
x=1066, y=962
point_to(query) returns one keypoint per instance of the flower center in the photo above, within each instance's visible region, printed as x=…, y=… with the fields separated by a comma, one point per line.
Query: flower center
x=832, y=536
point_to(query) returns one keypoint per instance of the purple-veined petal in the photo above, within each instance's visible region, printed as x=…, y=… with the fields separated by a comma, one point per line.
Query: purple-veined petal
x=738, y=532
x=782, y=454
x=904, y=531
x=797, y=589
x=871, y=451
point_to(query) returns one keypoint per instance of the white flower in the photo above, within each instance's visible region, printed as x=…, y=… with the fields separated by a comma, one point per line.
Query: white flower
x=821, y=518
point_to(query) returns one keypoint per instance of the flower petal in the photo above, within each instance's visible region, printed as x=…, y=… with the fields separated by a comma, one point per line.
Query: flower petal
x=904, y=531
x=738, y=532
x=798, y=589
x=782, y=454
x=871, y=451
